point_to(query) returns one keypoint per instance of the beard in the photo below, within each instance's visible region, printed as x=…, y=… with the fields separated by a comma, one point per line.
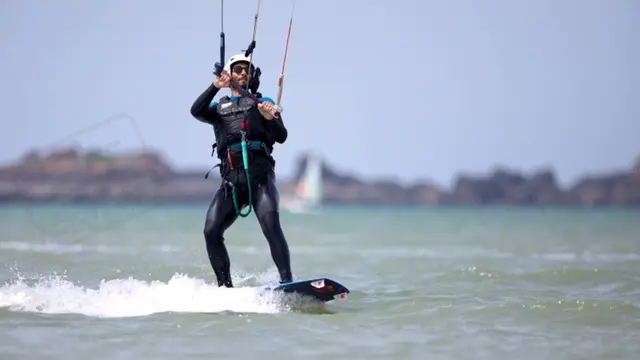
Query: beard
x=242, y=81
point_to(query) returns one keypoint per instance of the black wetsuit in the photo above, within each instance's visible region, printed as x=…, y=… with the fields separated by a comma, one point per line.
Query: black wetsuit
x=229, y=117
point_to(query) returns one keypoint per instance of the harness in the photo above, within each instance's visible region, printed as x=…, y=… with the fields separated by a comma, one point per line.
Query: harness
x=243, y=146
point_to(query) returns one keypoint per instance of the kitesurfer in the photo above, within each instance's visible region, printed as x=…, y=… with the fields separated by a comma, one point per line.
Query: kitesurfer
x=234, y=119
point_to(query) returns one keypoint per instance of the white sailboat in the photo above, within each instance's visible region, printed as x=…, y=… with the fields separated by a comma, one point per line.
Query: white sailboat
x=308, y=192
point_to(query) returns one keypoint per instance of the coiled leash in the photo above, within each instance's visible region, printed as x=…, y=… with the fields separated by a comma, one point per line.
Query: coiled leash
x=245, y=163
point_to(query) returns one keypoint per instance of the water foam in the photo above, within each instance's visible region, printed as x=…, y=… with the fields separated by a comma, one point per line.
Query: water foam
x=131, y=297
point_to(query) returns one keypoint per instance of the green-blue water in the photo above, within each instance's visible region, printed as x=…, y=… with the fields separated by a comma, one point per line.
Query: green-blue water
x=123, y=282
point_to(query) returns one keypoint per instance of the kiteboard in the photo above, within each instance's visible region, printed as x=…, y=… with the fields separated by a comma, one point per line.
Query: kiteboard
x=323, y=289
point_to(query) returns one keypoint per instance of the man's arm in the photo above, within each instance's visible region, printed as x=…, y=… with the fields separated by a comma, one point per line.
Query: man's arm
x=203, y=109
x=275, y=127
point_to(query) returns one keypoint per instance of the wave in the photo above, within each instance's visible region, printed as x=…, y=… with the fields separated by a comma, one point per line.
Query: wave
x=447, y=253
x=60, y=248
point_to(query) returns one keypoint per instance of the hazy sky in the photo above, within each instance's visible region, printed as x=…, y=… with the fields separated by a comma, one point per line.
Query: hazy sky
x=405, y=89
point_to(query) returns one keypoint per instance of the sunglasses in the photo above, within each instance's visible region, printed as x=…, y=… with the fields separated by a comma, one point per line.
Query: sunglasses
x=239, y=68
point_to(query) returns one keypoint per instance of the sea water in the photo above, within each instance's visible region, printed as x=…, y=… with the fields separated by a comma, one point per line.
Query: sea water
x=125, y=282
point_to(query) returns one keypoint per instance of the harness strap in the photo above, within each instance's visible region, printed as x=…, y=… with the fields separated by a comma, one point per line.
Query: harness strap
x=251, y=145
x=230, y=160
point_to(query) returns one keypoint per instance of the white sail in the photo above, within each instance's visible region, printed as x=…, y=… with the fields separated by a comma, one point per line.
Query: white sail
x=309, y=189
x=308, y=192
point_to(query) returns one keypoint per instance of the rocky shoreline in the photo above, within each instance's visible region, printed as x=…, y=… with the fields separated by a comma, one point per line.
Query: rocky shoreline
x=73, y=176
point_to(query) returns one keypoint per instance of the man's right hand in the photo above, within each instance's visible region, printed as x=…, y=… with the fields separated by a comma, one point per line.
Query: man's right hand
x=223, y=81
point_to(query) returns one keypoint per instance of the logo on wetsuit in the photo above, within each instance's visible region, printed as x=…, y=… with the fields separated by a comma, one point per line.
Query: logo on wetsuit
x=235, y=109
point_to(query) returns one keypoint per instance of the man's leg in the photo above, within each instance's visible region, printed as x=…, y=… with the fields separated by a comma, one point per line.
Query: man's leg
x=265, y=203
x=220, y=216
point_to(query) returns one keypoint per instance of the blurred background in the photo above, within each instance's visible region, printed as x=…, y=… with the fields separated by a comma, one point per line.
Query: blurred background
x=418, y=94
x=470, y=169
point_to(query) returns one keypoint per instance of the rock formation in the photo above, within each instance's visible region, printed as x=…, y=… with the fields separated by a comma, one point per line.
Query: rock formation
x=69, y=175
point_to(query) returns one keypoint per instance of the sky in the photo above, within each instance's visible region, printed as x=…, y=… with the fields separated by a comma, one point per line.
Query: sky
x=398, y=89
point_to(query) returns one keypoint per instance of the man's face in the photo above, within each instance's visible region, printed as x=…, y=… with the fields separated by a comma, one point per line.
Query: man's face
x=240, y=73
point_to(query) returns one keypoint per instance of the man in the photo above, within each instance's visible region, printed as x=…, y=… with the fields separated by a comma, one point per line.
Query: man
x=232, y=118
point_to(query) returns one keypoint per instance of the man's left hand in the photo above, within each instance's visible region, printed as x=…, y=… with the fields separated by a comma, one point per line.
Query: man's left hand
x=266, y=109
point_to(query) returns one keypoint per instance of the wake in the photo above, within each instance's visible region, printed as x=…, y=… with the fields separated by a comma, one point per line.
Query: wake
x=131, y=297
